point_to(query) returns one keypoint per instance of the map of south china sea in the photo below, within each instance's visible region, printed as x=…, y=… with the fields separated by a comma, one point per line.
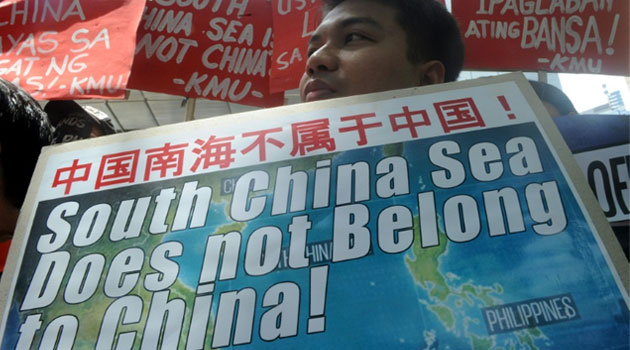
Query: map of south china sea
x=524, y=275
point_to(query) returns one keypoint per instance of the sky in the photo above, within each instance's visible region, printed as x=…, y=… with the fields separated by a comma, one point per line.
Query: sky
x=586, y=91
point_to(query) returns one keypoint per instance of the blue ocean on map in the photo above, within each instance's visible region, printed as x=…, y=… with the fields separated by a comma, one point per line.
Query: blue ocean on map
x=375, y=302
x=447, y=295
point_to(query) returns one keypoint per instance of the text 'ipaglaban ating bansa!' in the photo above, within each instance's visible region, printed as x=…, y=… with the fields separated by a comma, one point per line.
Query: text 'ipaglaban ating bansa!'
x=70, y=49
x=565, y=36
x=218, y=50
x=440, y=215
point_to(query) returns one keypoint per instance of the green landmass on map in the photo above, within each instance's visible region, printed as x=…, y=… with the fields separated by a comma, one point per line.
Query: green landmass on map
x=90, y=313
x=424, y=266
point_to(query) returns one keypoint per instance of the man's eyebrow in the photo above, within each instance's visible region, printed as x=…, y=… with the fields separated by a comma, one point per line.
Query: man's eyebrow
x=349, y=22
x=361, y=20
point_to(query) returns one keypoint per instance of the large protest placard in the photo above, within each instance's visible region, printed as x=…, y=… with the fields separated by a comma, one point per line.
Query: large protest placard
x=566, y=36
x=436, y=217
x=71, y=49
x=219, y=50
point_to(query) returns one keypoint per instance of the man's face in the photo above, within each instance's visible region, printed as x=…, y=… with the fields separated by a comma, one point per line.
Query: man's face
x=358, y=48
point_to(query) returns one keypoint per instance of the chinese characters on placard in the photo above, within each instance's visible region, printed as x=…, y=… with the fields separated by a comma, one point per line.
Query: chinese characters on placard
x=220, y=152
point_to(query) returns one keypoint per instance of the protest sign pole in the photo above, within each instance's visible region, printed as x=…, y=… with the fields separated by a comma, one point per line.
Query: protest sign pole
x=190, y=108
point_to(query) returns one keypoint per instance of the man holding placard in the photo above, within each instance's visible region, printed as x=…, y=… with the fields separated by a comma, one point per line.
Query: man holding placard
x=438, y=217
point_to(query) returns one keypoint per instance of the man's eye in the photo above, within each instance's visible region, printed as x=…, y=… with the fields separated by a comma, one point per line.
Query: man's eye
x=354, y=37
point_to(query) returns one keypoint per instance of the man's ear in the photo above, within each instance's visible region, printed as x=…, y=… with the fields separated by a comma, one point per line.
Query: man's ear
x=431, y=72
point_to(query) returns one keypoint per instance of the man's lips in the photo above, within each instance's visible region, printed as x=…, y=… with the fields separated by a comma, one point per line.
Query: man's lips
x=317, y=90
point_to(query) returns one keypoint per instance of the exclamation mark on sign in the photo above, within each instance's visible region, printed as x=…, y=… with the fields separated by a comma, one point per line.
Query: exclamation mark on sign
x=610, y=51
x=319, y=285
x=267, y=38
x=506, y=106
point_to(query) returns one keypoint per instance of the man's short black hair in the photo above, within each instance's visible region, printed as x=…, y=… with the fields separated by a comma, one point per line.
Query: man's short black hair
x=24, y=130
x=432, y=32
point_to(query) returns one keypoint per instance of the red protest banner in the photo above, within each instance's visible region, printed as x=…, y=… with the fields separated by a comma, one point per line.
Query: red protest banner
x=566, y=36
x=57, y=49
x=293, y=23
x=219, y=50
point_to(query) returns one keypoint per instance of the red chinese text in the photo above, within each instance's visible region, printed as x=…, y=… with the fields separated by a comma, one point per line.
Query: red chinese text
x=260, y=142
x=117, y=168
x=310, y=136
x=214, y=151
x=162, y=159
x=359, y=126
x=405, y=120
x=458, y=114
x=75, y=173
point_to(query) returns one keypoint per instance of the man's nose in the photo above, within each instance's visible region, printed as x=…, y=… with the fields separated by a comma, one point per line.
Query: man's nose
x=323, y=59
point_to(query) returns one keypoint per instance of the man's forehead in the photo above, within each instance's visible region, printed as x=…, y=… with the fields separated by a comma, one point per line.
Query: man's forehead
x=375, y=10
x=348, y=13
